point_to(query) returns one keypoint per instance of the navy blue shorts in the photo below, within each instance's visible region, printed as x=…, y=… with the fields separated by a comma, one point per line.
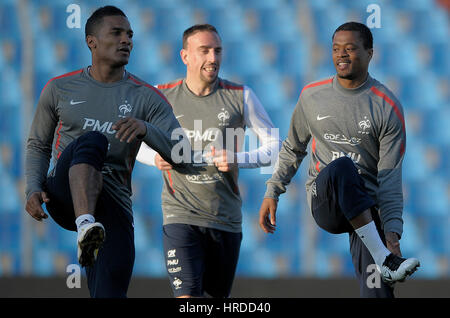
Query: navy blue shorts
x=200, y=260
x=339, y=196
x=111, y=273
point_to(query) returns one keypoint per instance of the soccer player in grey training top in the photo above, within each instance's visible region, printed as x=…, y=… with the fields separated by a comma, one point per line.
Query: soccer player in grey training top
x=202, y=205
x=358, y=138
x=91, y=123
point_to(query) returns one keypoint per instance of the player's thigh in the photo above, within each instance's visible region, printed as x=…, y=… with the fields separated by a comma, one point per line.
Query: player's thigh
x=88, y=148
x=324, y=204
x=184, y=252
x=221, y=261
x=60, y=206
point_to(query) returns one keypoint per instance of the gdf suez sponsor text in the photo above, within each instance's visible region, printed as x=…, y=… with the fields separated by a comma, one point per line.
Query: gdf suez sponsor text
x=226, y=307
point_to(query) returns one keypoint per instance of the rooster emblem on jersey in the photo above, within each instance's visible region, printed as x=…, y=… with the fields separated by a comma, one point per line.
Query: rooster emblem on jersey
x=124, y=109
x=364, y=124
x=223, y=116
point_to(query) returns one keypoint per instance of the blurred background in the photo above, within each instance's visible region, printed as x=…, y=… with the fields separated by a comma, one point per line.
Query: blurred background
x=275, y=47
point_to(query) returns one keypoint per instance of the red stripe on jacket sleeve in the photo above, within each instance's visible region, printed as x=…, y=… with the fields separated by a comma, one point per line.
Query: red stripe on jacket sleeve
x=169, y=85
x=151, y=87
x=61, y=76
x=229, y=86
x=58, y=139
x=327, y=81
x=397, y=111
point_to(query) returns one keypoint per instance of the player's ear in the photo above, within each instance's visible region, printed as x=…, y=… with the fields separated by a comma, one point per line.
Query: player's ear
x=370, y=52
x=91, y=42
x=183, y=55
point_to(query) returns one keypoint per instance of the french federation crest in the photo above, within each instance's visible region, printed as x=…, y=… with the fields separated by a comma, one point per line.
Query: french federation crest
x=223, y=116
x=124, y=109
x=364, y=125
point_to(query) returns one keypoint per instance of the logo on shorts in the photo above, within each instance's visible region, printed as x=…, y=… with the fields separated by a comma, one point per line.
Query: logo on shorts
x=172, y=270
x=172, y=262
x=171, y=253
x=314, y=189
x=177, y=283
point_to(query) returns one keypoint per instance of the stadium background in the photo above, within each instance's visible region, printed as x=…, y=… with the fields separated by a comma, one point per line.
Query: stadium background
x=275, y=47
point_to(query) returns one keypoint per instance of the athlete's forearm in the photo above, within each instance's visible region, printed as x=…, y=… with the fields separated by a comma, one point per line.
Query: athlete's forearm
x=392, y=148
x=285, y=169
x=37, y=161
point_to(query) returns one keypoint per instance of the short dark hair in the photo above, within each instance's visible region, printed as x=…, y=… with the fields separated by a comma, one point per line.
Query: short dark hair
x=96, y=18
x=363, y=30
x=197, y=28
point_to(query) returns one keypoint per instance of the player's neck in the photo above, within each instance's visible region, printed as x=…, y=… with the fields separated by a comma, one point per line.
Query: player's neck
x=353, y=83
x=200, y=88
x=106, y=73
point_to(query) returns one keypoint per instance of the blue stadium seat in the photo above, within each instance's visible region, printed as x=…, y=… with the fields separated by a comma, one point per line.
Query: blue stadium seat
x=439, y=59
x=210, y=5
x=432, y=200
x=294, y=57
x=402, y=58
x=414, y=164
x=146, y=59
x=389, y=31
x=419, y=5
x=279, y=25
x=150, y=263
x=436, y=123
x=263, y=4
x=11, y=92
x=43, y=261
x=9, y=20
x=326, y=21
x=171, y=22
x=9, y=196
x=10, y=236
x=245, y=57
x=230, y=24
x=412, y=239
x=269, y=89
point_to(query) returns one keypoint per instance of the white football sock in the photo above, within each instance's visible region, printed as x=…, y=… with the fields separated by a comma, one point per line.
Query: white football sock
x=84, y=218
x=369, y=235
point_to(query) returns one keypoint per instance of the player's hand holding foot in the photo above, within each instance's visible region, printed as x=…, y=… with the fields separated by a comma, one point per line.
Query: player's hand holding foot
x=393, y=243
x=34, y=205
x=267, y=215
x=129, y=128
x=161, y=164
x=395, y=268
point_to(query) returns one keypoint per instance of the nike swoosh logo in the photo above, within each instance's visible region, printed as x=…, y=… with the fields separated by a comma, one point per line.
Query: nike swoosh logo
x=324, y=117
x=76, y=103
x=179, y=116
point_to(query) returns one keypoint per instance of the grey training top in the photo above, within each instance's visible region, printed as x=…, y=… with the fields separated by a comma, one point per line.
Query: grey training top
x=74, y=103
x=201, y=194
x=366, y=124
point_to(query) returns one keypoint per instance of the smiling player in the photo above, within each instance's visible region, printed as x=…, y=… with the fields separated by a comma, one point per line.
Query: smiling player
x=357, y=133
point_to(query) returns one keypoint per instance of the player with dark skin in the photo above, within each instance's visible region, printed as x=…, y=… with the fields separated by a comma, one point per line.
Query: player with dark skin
x=351, y=61
x=110, y=47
